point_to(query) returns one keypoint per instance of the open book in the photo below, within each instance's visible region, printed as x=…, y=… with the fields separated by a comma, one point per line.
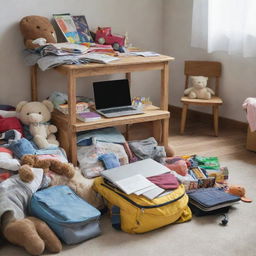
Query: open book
x=99, y=58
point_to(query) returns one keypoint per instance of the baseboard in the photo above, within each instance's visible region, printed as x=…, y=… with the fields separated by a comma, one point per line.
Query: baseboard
x=207, y=118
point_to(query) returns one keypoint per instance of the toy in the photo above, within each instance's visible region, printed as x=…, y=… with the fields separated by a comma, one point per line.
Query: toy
x=104, y=36
x=28, y=232
x=238, y=190
x=199, y=89
x=36, y=115
x=35, y=27
x=176, y=164
x=28, y=161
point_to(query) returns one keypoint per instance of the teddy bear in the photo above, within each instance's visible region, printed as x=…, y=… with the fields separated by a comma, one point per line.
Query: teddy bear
x=36, y=115
x=30, y=233
x=199, y=89
x=37, y=27
x=48, y=164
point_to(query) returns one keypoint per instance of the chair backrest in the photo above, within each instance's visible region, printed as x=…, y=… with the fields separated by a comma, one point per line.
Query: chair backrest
x=211, y=69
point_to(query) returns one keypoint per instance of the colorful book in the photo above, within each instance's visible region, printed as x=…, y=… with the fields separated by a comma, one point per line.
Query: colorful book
x=82, y=29
x=88, y=116
x=67, y=27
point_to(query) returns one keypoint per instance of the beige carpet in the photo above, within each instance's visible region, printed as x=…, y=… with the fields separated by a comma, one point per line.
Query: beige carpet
x=199, y=237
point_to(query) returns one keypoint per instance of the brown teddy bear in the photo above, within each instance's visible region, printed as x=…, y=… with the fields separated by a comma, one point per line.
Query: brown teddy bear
x=28, y=161
x=34, y=27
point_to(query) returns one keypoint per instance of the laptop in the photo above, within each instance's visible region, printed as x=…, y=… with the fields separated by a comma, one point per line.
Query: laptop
x=147, y=167
x=112, y=98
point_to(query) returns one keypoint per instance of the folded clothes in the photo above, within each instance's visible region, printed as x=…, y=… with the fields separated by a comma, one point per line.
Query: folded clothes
x=165, y=181
x=22, y=147
x=109, y=160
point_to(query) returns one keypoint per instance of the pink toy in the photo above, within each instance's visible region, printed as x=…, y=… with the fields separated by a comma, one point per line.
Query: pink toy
x=104, y=36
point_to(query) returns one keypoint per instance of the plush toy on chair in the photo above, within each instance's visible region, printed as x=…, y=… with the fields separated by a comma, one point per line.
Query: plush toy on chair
x=37, y=115
x=199, y=89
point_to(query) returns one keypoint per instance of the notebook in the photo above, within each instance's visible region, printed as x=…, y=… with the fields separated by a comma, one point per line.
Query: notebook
x=112, y=98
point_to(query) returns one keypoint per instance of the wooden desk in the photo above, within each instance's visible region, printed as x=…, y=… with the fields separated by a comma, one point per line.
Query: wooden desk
x=68, y=125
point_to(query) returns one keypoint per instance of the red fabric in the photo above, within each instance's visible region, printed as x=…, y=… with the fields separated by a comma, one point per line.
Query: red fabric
x=5, y=150
x=165, y=181
x=10, y=123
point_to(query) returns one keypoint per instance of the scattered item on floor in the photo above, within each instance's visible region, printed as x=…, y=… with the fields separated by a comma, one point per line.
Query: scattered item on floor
x=18, y=229
x=238, y=190
x=34, y=27
x=131, y=177
x=72, y=218
x=176, y=164
x=130, y=154
x=211, y=163
x=113, y=98
x=199, y=89
x=139, y=214
x=10, y=135
x=207, y=201
x=224, y=221
x=165, y=181
x=147, y=148
x=29, y=161
x=36, y=115
x=88, y=156
x=81, y=186
x=88, y=116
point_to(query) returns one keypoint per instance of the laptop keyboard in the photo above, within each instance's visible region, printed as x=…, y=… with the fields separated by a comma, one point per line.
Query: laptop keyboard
x=116, y=110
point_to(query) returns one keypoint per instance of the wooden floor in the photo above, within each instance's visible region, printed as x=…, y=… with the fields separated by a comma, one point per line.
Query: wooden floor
x=199, y=139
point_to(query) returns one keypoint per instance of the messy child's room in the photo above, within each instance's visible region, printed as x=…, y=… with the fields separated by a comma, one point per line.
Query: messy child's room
x=128, y=128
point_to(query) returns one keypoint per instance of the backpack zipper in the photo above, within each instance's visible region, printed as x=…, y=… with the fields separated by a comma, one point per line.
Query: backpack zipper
x=142, y=207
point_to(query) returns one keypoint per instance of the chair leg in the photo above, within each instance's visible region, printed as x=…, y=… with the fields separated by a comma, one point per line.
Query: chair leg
x=183, y=118
x=216, y=119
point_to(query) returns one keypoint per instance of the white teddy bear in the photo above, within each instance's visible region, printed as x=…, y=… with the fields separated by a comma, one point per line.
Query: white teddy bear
x=36, y=115
x=199, y=89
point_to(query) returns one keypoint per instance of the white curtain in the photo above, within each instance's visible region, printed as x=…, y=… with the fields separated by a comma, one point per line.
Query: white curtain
x=225, y=25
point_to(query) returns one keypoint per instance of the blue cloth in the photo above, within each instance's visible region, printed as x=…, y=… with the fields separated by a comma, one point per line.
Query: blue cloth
x=109, y=160
x=109, y=134
x=22, y=147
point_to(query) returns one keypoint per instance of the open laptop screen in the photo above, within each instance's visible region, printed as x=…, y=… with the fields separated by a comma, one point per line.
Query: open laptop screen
x=113, y=93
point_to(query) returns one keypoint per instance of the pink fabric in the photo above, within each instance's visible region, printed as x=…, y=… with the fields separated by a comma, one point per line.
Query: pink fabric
x=250, y=106
x=165, y=181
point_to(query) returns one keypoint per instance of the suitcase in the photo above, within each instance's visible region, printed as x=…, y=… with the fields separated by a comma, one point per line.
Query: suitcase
x=137, y=214
x=69, y=216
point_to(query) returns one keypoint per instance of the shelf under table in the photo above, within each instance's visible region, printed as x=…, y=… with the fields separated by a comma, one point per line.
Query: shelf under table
x=152, y=113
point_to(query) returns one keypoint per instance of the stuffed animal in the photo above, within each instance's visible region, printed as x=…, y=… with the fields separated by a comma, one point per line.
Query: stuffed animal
x=35, y=27
x=28, y=232
x=54, y=165
x=36, y=115
x=199, y=89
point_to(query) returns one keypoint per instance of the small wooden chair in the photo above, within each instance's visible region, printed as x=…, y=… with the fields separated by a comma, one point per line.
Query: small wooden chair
x=212, y=70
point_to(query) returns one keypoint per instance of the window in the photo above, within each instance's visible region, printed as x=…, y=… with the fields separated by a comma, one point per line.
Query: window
x=225, y=25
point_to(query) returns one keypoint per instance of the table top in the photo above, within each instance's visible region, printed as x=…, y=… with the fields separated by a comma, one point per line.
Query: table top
x=123, y=60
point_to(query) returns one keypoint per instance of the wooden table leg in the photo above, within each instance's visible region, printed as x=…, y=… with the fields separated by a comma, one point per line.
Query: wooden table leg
x=33, y=82
x=157, y=130
x=72, y=117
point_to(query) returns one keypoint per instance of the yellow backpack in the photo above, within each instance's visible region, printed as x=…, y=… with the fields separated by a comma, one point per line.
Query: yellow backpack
x=137, y=214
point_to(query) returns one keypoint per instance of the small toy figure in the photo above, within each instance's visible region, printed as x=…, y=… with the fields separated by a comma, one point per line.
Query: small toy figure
x=104, y=36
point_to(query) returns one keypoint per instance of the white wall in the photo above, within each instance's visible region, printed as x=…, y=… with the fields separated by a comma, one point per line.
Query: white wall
x=239, y=74
x=141, y=19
